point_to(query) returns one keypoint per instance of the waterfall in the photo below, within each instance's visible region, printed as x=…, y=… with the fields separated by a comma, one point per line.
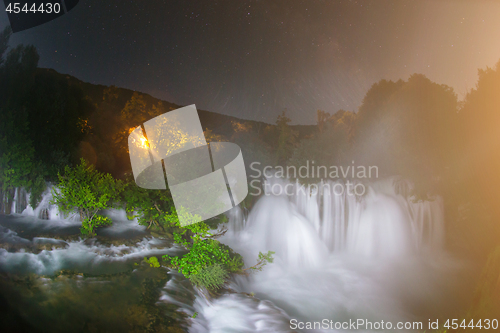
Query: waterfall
x=81, y=255
x=383, y=222
x=45, y=210
x=20, y=200
x=338, y=256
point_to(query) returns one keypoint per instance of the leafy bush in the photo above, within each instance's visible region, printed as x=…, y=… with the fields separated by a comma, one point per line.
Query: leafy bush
x=202, y=254
x=151, y=206
x=87, y=191
x=206, y=257
x=208, y=262
x=153, y=262
x=90, y=225
x=36, y=189
x=212, y=277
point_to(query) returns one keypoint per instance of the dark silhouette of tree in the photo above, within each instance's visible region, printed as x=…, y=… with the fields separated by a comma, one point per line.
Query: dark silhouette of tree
x=4, y=42
x=17, y=166
x=42, y=119
x=480, y=119
x=408, y=128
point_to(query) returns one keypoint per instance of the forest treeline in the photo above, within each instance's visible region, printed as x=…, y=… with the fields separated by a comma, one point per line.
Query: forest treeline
x=49, y=120
x=416, y=128
x=419, y=130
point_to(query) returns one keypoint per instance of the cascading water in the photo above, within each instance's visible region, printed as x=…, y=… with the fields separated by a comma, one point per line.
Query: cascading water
x=23, y=255
x=337, y=257
x=20, y=201
x=101, y=283
x=47, y=215
x=45, y=210
x=77, y=255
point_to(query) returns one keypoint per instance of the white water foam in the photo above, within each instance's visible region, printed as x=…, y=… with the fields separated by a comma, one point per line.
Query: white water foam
x=79, y=255
x=55, y=218
x=337, y=257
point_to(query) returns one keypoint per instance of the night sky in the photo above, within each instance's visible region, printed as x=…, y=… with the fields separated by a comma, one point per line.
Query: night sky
x=252, y=59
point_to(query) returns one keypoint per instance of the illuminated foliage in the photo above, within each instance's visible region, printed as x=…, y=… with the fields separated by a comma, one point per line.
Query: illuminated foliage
x=86, y=191
x=153, y=262
x=208, y=261
x=150, y=206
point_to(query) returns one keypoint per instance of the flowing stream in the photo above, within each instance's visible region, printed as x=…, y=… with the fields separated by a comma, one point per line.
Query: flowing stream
x=337, y=257
x=374, y=257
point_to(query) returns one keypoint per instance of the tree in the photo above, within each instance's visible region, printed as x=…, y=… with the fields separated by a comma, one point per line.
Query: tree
x=4, y=42
x=87, y=191
x=208, y=262
x=263, y=259
x=151, y=206
x=408, y=128
x=330, y=146
x=136, y=111
x=40, y=118
x=18, y=164
x=58, y=114
x=479, y=139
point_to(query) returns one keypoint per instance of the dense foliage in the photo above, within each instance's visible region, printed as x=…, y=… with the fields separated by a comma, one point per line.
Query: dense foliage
x=153, y=262
x=212, y=277
x=42, y=120
x=151, y=207
x=17, y=154
x=87, y=191
x=208, y=262
x=204, y=252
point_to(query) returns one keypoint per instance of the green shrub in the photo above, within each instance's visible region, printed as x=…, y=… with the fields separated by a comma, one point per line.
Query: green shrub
x=150, y=206
x=212, y=277
x=90, y=225
x=201, y=254
x=87, y=191
x=206, y=255
x=208, y=262
x=36, y=190
x=153, y=262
